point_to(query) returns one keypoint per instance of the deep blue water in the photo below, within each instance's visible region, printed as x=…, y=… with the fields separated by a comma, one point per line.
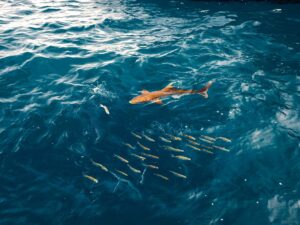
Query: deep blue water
x=59, y=60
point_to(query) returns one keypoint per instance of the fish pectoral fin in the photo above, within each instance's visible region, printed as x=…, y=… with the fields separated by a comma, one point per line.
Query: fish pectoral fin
x=176, y=96
x=145, y=92
x=157, y=101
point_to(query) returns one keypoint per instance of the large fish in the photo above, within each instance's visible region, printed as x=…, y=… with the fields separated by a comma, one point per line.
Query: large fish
x=155, y=96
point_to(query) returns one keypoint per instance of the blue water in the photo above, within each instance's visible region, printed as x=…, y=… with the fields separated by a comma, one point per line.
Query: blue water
x=59, y=60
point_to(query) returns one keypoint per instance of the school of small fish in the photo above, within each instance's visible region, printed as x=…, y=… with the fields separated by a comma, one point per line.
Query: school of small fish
x=144, y=152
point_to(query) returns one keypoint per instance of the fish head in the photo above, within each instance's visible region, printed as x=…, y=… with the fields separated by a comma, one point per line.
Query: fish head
x=139, y=99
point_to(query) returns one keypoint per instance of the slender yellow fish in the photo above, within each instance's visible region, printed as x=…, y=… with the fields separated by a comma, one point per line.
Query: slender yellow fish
x=105, y=109
x=133, y=169
x=99, y=165
x=151, y=166
x=207, y=141
x=181, y=157
x=128, y=145
x=174, y=138
x=207, y=151
x=221, y=148
x=165, y=140
x=121, y=172
x=190, y=137
x=136, y=135
x=178, y=174
x=224, y=139
x=172, y=149
x=150, y=155
x=208, y=138
x=138, y=156
x=161, y=176
x=148, y=138
x=193, y=147
x=91, y=178
x=199, y=149
x=121, y=158
x=143, y=146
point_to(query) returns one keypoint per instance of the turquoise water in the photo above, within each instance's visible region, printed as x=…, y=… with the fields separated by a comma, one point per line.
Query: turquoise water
x=59, y=60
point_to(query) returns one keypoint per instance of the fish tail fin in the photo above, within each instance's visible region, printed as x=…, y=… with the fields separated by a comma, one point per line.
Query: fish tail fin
x=203, y=91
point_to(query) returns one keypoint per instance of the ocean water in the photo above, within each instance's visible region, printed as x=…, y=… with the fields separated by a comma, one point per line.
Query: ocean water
x=59, y=60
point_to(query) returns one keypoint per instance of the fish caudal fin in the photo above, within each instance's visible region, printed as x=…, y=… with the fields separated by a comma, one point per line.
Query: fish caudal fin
x=203, y=91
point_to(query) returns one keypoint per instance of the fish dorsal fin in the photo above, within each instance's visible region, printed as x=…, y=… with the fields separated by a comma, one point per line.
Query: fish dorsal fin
x=168, y=87
x=145, y=92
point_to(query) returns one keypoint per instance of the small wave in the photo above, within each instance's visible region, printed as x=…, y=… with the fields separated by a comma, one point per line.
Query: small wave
x=29, y=107
x=101, y=90
x=50, y=10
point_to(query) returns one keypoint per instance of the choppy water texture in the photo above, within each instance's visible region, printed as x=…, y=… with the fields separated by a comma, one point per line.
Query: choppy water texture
x=59, y=60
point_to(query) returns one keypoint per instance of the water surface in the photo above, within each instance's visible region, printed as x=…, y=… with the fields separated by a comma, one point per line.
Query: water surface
x=59, y=60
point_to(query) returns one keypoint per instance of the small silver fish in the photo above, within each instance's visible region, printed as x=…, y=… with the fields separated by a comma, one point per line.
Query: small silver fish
x=199, y=149
x=150, y=155
x=193, y=142
x=193, y=147
x=91, y=178
x=143, y=146
x=121, y=172
x=224, y=139
x=136, y=135
x=190, y=137
x=128, y=145
x=208, y=138
x=121, y=158
x=133, y=169
x=207, y=141
x=148, y=138
x=207, y=151
x=174, y=138
x=105, y=109
x=161, y=176
x=178, y=174
x=172, y=149
x=99, y=165
x=151, y=166
x=181, y=157
x=165, y=140
x=138, y=156
x=221, y=148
